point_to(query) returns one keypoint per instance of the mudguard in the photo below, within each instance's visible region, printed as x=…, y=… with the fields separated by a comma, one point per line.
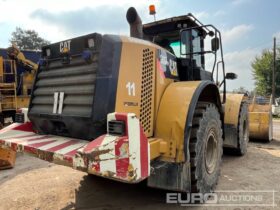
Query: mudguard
x=174, y=121
x=232, y=109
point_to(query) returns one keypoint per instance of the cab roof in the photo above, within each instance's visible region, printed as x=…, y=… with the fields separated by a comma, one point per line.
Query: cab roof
x=171, y=24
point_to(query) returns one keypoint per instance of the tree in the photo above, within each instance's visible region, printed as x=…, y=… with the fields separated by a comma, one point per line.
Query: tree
x=27, y=39
x=241, y=89
x=262, y=73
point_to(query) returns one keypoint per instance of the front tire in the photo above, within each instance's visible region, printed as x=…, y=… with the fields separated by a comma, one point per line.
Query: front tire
x=243, y=130
x=205, y=148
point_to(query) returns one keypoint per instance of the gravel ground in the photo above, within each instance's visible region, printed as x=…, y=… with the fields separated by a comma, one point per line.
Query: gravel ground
x=35, y=184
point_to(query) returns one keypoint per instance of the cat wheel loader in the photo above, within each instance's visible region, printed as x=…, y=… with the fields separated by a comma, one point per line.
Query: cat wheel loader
x=15, y=89
x=134, y=108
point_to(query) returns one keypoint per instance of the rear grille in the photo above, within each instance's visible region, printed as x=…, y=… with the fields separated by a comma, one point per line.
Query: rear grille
x=76, y=81
x=73, y=98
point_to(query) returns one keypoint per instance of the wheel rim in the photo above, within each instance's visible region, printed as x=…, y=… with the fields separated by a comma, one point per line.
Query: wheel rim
x=211, y=153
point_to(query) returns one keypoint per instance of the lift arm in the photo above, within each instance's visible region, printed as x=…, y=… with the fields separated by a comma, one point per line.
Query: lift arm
x=15, y=54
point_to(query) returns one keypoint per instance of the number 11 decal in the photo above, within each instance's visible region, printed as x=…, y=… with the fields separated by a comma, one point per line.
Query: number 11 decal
x=131, y=88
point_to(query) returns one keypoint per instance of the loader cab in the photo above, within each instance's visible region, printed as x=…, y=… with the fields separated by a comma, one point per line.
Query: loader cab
x=197, y=47
x=167, y=34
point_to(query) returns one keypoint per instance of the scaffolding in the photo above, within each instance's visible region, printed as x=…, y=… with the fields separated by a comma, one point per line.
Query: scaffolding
x=8, y=87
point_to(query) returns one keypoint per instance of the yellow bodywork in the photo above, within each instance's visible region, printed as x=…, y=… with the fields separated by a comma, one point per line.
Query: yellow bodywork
x=136, y=89
x=260, y=120
x=160, y=103
x=7, y=158
x=232, y=107
x=15, y=54
x=10, y=99
x=231, y=119
x=171, y=119
x=8, y=89
x=27, y=77
x=27, y=82
x=23, y=101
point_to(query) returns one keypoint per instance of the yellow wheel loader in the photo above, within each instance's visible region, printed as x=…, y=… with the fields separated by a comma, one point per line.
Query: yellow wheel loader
x=11, y=99
x=135, y=108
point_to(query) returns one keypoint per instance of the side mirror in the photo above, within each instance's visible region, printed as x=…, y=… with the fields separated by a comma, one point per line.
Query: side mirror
x=215, y=44
x=231, y=76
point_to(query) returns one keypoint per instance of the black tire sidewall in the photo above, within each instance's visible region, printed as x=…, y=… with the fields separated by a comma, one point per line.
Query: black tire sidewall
x=210, y=121
x=243, y=139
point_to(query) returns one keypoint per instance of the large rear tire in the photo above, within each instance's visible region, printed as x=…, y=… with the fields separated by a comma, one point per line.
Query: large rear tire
x=206, y=148
x=242, y=130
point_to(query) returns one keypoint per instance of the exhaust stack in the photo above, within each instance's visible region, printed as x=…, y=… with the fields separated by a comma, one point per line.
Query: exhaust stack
x=135, y=22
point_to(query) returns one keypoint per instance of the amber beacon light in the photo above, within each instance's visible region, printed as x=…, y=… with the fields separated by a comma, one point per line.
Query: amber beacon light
x=152, y=10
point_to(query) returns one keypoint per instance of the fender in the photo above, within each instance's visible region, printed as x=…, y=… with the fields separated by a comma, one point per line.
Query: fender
x=175, y=114
x=232, y=108
x=174, y=121
x=206, y=91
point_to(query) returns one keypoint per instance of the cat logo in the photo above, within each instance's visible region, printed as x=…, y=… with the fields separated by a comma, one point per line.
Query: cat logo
x=173, y=68
x=64, y=45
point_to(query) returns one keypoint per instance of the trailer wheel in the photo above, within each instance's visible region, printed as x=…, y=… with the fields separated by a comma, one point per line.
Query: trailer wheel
x=205, y=147
x=243, y=130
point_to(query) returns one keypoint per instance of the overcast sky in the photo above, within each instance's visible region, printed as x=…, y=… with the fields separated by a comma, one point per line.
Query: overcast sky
x=247, y=25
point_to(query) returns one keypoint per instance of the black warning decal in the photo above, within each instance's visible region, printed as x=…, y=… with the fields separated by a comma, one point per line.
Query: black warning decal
x=167, y=65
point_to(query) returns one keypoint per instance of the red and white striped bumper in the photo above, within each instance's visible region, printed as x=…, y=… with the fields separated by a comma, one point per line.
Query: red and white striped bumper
x=124, y=158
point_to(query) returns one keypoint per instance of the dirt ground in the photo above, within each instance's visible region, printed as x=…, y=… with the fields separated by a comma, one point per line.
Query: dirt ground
x=35, y=184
